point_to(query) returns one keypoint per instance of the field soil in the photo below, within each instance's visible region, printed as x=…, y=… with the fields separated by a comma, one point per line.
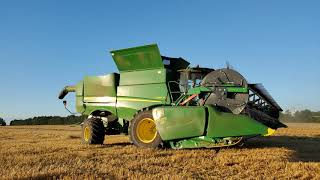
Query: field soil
x=41, y=152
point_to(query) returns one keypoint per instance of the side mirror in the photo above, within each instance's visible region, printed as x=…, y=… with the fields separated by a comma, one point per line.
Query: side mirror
x=65, y=103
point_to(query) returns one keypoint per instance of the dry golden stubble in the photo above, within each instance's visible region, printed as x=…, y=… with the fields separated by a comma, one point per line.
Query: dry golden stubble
x=56, y=152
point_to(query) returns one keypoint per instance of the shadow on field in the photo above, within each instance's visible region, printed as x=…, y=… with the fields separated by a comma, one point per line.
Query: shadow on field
x=45, y=176
x=120, y=144
x=306, y=149
x=66, y=176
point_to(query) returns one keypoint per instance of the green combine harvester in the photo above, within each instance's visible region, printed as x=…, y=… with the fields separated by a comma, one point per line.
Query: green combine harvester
x=162, y=101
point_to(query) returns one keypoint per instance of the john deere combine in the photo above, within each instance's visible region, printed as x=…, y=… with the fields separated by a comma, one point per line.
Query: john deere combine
x=160, y=100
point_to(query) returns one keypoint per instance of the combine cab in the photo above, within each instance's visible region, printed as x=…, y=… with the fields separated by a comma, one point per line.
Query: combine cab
x=162, y=101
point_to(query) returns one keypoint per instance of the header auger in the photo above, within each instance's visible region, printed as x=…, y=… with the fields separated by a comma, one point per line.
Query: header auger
x=160, y=100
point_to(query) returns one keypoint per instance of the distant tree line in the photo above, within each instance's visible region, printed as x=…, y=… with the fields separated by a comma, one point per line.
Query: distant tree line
x=300, y=116
x=2, y=122
x=49, y=120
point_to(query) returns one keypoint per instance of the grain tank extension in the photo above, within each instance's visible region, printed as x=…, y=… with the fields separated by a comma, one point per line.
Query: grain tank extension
x=162, y=101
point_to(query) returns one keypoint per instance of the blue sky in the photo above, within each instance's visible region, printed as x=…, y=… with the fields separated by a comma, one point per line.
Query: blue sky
x=46, y=45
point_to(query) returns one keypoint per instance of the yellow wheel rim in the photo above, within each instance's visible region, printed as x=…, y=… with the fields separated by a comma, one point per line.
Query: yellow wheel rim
x=86, y=134
x=146, y=130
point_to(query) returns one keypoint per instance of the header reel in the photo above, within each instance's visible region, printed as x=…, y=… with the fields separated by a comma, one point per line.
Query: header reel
x=230, y=92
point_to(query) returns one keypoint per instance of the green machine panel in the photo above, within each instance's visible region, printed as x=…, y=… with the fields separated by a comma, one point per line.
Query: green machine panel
x=109, y=106
x=135, y=97
x=101, y=88
x=79, y=97
x=222, y=124
x=138, y=58
x=175, y=122
x=157, y=92
x=143, y=77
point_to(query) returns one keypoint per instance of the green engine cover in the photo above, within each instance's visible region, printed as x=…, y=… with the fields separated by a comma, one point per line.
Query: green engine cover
x=99, y=93
x=100, y=88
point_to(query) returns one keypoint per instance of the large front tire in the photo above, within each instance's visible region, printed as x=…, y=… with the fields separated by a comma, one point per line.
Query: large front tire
x=93, y=131
x=143, y=131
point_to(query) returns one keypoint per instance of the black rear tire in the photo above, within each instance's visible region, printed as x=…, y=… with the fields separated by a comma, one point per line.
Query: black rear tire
x=93, y=131
x=149, y=136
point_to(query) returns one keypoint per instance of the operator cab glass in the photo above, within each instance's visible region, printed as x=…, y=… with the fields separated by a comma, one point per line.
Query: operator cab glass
x=181, y=77
x=192, y=77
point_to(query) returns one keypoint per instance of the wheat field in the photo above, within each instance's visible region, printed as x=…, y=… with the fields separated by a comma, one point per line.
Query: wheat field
x=55, y=152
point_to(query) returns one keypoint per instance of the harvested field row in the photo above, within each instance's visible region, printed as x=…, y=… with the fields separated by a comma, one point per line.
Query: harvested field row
x=56, y=151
